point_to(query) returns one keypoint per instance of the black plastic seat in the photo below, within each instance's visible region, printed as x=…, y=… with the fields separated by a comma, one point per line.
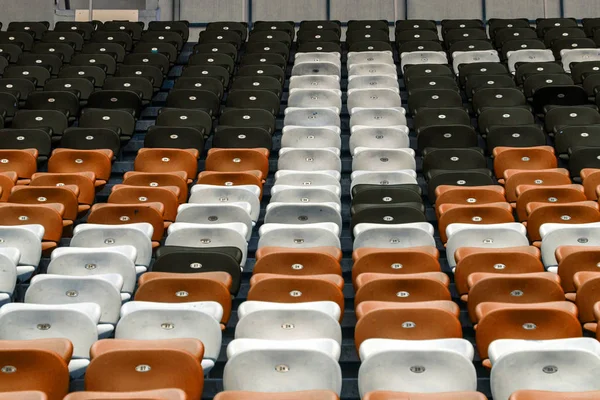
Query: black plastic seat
x=471, y=177
x=495, y=24
x=558, y=118
x=520, y=44
x=486, y=68
x=150, y=72
x=590, y=25
x=545, y=24
x=569, y=137
x=18, y=87
x=386, y=194
x=120, y=38
x=581, y=70
x=197, y=119
x=270, y=36
x=440, y=116
x=85, y=29
x=460, y=23
x=504, y=116
x=157, y=60
x=583, y=157
x=562, y=32
x=120, y=121
x=104, y=61
x=416, y=35
x=288, y=27
x=272, y=71
x=399, y=213
x=453, y=159
x=325, y=25
x=80, y=87
x=139, y=85
x=218, y=48
x=319, y=36
x=475, y=83
x=38, y=75
x=411, y=24
x=220, y=60
x=456, y=35
x=263, y=59
x=470, y=45
x=27, y=139
x=174, y=137
x=65, y=102
x=202, y=83
x=74, y=39
x=167, y=49
x=419, y=45
x=194, y=99
x=538, y=81
x=8, y=105
x=503, y=35
x=114, y=49
x=571, y=43
x=242, y=138
x=22, y=39
x=367, y=35
x=424, y=70
x=249, y=118
x=213, y=71
x=498, y=97
x=182, y=27
x=447, y=136
x=96, y=75
x=215, y=37
x=430, y=82
x=52, y=121
x=514, y=136
x=173, y=38
x=240, y=27
x=525, y=70
x=11, y=52
x=379, y=24
x=310, y=47
x=134, y=29
x=51, y=62
x=268, y=48
x=262, y=99
x=563, y=95
x=255, y=82
x=116, y=100
x=36, y=29
x=434, y=98
x=91, y=139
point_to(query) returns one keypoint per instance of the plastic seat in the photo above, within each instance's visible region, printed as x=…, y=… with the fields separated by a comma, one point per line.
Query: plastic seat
x=383, y=395
x=166, y=195
x=67, y=196
x=213, y=214
x=194, y=99
x=238, y=160
x=504, y=116
x=366, y=159
x=393, y=236
x=470, y=57
x=523, y=158
x=309, y=159
x=473, y=70
x=440, y=116
x=74, y=161
x=491, y=213
x=116, y=214
x=586, y=284
x=230, y=178
x=424, y=286
x=299, y=236
x=570, y=358
x=84, y=181
x=140, y=85
x=248, y=118
x=261, y=99
x=483, y=236
x=52, y=121
x=571, y=260
x=415, y=84
x=311, y=137
x=298, y=262
x=209, y=194
x=197, y=119
x=536, y=321
x=408, y=321
x=105, y=61
x=38, y=75
x=372, y=69
x=158, y=394
x=546, y=194
x=316, y=68
x=120, y=121
x=434, y=98
x=384, y=358
x=299, y=357
x=373, y=98
x=308, y=178
x=181, y=27
x=171, y=160
x=460, y=177
x=42, y=366
x=175, y=362
x=301, y=213
x=547, y=177
x=114, y=49
x=378, y=117
x=94, y=74
x=50, y=216
x=528, y=56
x=569, y=235
x=422, y=57
x=452, y=159
x=37, y=29
x=568, y=213
x=378, y=137
x=50, y=61
x=446, y=136
x=472, y=195
x=315, y=98
x=195, y=320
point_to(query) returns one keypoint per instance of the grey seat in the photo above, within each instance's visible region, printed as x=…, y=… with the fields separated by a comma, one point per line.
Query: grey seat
x=471, y=57
x=27, y=239
x=317, y=117
x=311, y=98
x=528, y=55
x=309, y=159
x=423, y=57
x=378, y=117
x=396, y=236
x=372, y=69
x=211, y=214
x=306, y=194
x=373, y=82
x=302, y=213
x=307, y=178
x=314, y=82
x=299, y=236
x=379, y=137
x=311, y=137
x=373, y=98
x=554, y=235
x=383, y=159
x=211, y=194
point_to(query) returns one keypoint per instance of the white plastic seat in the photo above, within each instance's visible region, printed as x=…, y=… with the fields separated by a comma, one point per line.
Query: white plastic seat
x=299, y=236
x=554, y=235
x=319, y=48
x=528, y=55
x=372, y=69
x=383, y=178
x=9, y=258
x=314, y=82
x=303, y=213
x=311, y=137
x=306, y=194
x=379, y=137
x=491, y=236
x=382, y=159
x=470, y=57
x=317, y=68
x=311, y=98
x=309, y=159
x=294, y=321
x=560, y=365
x=137, y=235
x=211, y=194
x=370, y=57
x=206, y=236
x=27, y=239
x=308, y=178
x=374, y=82
x=87, y=261
x=212, y=214
x=425, y=366
x=144, y=320
x=283, y=365
x=569, y=56
x=76, y=322
x=423, y=57
x=317, y=117
x=317, y=57
x=104, y=290
x=373, y=98
x=393, y=236
x=378, y=117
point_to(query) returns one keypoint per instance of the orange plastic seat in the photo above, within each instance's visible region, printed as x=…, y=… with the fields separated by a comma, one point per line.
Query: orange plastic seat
x=536, y=287
x=546, y=194
x=539, y=157
x=300, y=395
x=26, y=395
x=69, y=160
x=407, y=321
x=21, y=162
x=395, y=261
x=588, y=294
x=572, y=213
x=468, y=195
x=298, y=262
x=407, y=288
x=545, y=177
x=158, y=179
x=537, y=321
x=39, y=365
x=50, y=216
x=118, y=214
x=238, y=160
x=8, y=180
x=166, y=287
x=573, y=259
x=122, y=366
x=159, y=394
x=491, y=213
x=297, y=289
x=508, y=260
x=65, y=195
x=167, y=160
x=230, y=178
x=543, y=395
x=85, y=181
x=383, y=395
x=166, y=195
x=591, y=180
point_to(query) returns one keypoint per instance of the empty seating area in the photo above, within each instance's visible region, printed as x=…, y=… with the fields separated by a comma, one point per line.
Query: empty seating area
x=314, y=210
